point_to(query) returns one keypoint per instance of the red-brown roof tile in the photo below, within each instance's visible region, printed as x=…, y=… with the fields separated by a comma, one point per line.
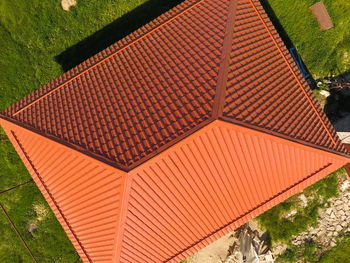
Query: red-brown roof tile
x=264, y=86
x=160, y=84
x=145, y=91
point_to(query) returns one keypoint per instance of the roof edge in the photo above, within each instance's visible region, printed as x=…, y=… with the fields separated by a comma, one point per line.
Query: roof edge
x=270, y=132
x=101, y=158
x=225, y=61
x=50, y=195
x=66, y=144
x=299, y=183
x=125, y=42
x=302, y=88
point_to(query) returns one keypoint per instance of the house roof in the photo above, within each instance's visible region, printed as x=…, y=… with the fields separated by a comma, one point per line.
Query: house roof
x=201, y=61
x=207, y=103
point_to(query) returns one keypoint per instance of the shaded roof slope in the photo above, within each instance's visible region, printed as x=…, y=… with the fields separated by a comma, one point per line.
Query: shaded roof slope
x=265, y=87
x=201, y=60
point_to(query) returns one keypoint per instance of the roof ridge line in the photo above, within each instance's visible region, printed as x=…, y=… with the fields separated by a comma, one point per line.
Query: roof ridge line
x=111, y=55
x=225, y=61
x=295, y=76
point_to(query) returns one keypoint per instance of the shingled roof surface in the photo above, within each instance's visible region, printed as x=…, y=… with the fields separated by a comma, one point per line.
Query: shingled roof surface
x=203, y=60
x=139, y=94
x=265, y=87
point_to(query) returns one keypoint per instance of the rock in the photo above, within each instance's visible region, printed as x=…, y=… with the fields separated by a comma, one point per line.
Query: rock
x=313, y=232
x=303, y=200
x=332, y=215
x=296, y=242
x=338, y=202
x=333, y=244
x=343, y=224
x=341, y=212
x=66, y=4
x=331, y=228
x=345, y=185
x=32, y=227
x=329, y=211
x=321, y=233
x=291, y=213
x=338, y=228
x=329, y=234
x=325, y=93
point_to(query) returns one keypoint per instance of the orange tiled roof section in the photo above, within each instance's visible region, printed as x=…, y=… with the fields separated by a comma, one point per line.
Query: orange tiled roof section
x=158, y=85
x=167, y=80
x=265, y=87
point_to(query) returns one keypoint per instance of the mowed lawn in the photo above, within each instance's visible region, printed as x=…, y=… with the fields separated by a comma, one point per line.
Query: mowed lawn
x=322, y=52
x=32, y=34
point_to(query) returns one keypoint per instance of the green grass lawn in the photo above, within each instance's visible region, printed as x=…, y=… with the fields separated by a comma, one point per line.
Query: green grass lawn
x=322, y=52
x=338, y=254
x=11, y=247
x=317, y=194
x=37, y=225
x=34, y=36
x=12, y=171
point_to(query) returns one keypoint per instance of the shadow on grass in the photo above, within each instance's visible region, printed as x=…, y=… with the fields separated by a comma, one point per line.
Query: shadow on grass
x=266, y=237
x=285, y=38
x=272, y=15
x=113, y=32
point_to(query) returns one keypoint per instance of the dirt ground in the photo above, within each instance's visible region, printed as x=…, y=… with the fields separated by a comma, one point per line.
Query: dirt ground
x=217, y=251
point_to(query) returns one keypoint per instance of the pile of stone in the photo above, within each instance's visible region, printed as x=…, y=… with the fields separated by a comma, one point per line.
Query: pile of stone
x=332, y=221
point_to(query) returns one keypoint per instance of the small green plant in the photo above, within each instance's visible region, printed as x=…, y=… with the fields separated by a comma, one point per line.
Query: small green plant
x=281, y=228
x=288, y=256
x=338, y=254
x=305, y=252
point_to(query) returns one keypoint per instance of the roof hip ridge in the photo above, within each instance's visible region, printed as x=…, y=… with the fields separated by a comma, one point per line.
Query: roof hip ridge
x=225, y=61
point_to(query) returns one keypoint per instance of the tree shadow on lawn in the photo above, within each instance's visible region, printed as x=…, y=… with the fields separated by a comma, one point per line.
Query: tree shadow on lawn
x=285, y=38
x=113, y=32
x=135, y=19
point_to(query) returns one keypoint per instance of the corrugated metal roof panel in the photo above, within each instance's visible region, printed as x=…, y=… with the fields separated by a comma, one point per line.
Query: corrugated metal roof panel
x=214, y=181
x=176, y=203
x=84, y=194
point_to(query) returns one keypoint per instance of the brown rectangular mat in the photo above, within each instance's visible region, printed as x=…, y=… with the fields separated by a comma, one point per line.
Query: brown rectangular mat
x=322, y=16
